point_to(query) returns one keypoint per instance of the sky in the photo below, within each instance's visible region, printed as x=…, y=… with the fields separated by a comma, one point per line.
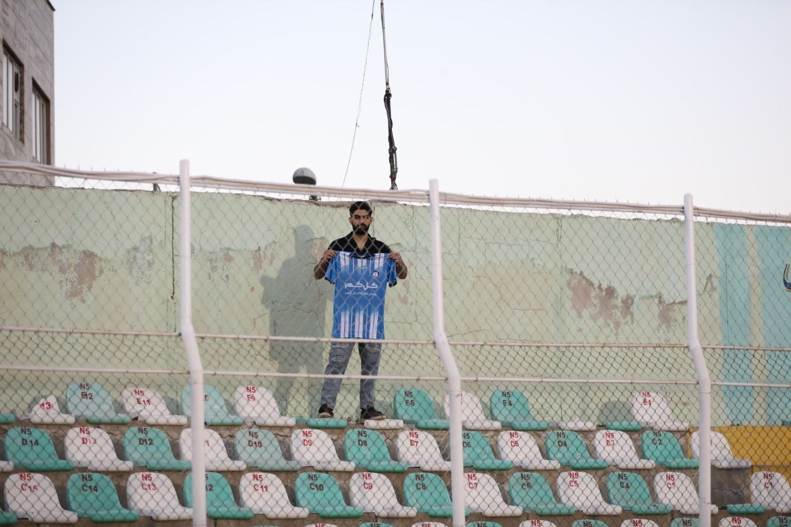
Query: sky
x=638, y=102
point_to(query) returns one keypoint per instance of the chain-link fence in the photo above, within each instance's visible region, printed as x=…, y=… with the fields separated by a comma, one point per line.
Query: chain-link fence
x=567, y=322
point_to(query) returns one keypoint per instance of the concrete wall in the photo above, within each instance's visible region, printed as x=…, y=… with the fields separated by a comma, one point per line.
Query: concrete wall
x=27, y=28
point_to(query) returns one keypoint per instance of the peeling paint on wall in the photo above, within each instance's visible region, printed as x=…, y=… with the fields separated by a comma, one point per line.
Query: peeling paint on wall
x=601, y=303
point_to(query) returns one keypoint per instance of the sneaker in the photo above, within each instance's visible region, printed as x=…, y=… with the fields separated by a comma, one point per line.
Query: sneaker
x=371, y=413
x=325, y=411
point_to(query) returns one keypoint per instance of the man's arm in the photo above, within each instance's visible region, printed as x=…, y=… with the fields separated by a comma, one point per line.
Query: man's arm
x=321, y=268
x=401, y=268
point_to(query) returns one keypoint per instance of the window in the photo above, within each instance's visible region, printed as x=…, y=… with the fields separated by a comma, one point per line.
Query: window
x=12, y=94
x=40, y=126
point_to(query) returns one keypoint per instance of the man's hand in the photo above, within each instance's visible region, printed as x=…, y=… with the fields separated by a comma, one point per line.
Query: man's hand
x=321, y=268
x=401, y=269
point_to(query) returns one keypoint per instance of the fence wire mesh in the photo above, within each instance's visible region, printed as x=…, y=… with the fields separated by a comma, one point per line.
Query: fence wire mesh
x=568, y=325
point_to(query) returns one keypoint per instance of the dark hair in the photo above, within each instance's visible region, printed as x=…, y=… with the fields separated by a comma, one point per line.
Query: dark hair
x=360, y=205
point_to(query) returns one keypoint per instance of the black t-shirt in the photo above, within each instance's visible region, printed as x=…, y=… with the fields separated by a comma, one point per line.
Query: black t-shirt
x=347, y=244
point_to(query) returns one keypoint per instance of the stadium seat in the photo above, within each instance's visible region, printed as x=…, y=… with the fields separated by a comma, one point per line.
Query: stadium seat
x=7, y=418
x=260, y=448
x=322, y=422
x=623, y=426
x=478, y=454
x=93, y=449
x=638, y=522
x=314, y=448
x=663, y=448
x=577, y=425
x=472, y=416
x=569, y=449
x=7, y=518
x=257, y=406
x=483, y=524
x=150, y=448
x=771, y=489
x=531, y=491
x=147, y=405
x=32, y=449
x=375, y=524
x=676, y=489
x=320, y=494
x=589, y=523
x=47, y=411
x=721, y=454
x=367, y=450
x=537, y=523
x=94, y=496
x=581, y=490
x=745, y=508
x=90, y=401
x=686, y=522
x=631, y=493
x=33, y=497
x=216, y=455
x=265, y=494
x=736, y=521
x=215, y=412
x=483, y=495
x=6, y=466
x=651, y=410
x=775, y=521
x=152, y=494
x=374, y=493
x=617, y=448
x=220, y=504
x=511, y=408
x=522, y=450
x=429, y=495
x=414, y=406
x=428, y=524
x=420, y=449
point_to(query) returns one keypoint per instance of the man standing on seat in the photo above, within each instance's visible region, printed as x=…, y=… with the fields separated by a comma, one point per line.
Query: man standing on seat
x=361, y=267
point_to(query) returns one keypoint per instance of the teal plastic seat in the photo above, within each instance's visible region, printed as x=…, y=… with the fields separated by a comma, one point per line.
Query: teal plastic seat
x=569, y=449
x=774, y=521
x=478, y=453
x=483, y=524
x=322, y=422
x=320, y=494
x=428, y=494
x=740, y=509
x=623, y=426
x=664, y=449
x=367, y=449
x=7, y=518
x=7, y=419
x=589, y=523
x=215, y=411
x=93, y=496
x=375, y=524
x=149, y=447
x=631, y=492
x=220, y=504
x=259, y=448
x=531, y=491
x=414, y=406
x=693, y=522
x=90, y=401
x=32, y=449
x=511, y=408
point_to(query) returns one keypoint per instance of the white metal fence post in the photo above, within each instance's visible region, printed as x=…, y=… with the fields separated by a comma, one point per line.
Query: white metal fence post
x=191, y=351
x=704, y=381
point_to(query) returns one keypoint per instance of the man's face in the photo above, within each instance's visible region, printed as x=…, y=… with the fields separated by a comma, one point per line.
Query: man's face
x=361, y=220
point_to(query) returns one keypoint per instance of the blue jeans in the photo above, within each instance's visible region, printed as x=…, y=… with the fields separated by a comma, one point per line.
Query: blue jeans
x=340, y=353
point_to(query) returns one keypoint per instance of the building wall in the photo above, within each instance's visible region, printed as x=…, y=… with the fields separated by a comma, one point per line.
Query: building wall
x=27, y=29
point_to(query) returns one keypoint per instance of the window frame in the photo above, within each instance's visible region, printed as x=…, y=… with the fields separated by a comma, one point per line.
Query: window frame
x=41, y=139
x=13, y=99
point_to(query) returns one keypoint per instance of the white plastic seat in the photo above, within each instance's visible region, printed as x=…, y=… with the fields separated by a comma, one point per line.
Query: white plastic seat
x=483, y=495
x=46, y=411
x=93, y=449
x=522, y=450
x=425, y=524
x=374, y=493
x=472, y=416
x=651, y=410
x=314, y=448
x=33, y=496
x=537, y=523
x=265, y=494
x=581, y=490
x=638, y=522
x=6, y=466
x=577, y=425
x=771, y=489
x=147, y=405
x=721, y=454
x=153, y=494
x=736, y=521
x=617, y=447
x=419, y=449
x=257, y=406
x=677, y=490
x=216, y=456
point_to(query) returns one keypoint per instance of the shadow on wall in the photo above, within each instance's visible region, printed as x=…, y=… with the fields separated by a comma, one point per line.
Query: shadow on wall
x=297, y=304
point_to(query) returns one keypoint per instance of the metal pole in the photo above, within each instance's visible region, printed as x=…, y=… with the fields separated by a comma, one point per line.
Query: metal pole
x=704, y=381
x=448, y=362
x=192, y=353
